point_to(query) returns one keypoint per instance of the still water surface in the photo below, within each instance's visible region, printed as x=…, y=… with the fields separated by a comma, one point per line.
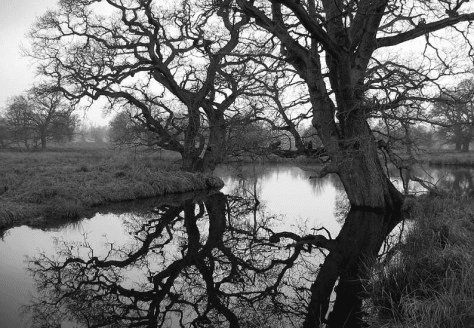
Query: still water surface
x=262, y=200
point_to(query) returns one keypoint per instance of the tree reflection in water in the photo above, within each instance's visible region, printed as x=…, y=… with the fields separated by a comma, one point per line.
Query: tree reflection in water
x=211, y=260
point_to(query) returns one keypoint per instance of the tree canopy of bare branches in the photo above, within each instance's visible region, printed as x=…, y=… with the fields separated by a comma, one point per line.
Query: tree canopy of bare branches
x=171, y=61
x=41, y=114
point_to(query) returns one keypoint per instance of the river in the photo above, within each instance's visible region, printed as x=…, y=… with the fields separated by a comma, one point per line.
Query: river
x=185, y=260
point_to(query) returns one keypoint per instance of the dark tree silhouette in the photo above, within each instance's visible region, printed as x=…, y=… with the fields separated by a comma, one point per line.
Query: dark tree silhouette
x=330, y=44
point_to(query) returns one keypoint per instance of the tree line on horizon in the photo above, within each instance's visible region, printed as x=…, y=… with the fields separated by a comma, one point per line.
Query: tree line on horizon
x=32, y=119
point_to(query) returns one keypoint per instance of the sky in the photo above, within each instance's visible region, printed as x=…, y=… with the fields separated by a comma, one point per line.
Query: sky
x=17, y=72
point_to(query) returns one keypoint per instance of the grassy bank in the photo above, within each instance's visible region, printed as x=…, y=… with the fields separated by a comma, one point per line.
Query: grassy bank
x=430, y=280
x=64, y=184
x=447, y=157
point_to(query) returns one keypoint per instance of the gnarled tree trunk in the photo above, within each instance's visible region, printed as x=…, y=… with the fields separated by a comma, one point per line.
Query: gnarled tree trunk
x=360, y=169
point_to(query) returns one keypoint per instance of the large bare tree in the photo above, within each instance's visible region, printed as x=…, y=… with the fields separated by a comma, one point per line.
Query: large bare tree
x=170, y=61
x=333, y=45
x=330, y=43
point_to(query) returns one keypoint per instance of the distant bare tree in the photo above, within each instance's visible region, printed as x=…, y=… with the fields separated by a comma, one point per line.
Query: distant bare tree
x=17, y=119
x=455, y=112
x=52, y=115
x=38, y=116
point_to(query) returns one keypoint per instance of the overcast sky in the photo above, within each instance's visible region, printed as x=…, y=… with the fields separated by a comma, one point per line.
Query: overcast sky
x=17, y=72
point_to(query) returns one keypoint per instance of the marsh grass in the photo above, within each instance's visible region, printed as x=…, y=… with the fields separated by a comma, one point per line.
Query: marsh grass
x=429, y=283
x=56, y=185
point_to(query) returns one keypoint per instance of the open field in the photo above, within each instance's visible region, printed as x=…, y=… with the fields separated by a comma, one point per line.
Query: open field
x=56, y=184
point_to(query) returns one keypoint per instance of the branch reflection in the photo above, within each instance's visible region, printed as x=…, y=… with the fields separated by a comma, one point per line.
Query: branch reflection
x=199, y=263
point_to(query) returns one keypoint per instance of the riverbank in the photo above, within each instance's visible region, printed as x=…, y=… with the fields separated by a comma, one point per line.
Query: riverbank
x=56, y=185
x=429, y=280
x=425, y=156
x=447, y=157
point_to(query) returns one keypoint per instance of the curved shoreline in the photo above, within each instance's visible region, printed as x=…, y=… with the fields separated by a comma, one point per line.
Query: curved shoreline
x=73, y=207
x=35, y=187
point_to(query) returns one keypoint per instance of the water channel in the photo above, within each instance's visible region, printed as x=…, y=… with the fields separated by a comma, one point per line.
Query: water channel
x=186, y=259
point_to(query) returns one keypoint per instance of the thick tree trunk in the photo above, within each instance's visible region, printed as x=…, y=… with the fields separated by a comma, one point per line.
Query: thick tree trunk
x=465, y=147
x=199, y=156
x=350, y=144
x=364, y=180
x=215, y=150
x=192, y=142
x=356, y=161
